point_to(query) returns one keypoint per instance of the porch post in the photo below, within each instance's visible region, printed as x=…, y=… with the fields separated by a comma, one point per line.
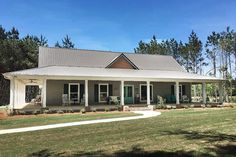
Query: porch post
x=122, y=93
x=148, y=92
x=86, y=93
x=221, y=92
x=44, y=92
x=204, y=92
x=177, y=92
x=12, y=93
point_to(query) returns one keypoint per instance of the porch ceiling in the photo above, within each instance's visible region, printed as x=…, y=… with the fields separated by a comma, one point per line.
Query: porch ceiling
x=111, y=74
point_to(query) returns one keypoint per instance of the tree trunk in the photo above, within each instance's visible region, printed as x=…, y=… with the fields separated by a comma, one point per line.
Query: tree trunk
x=230, y=68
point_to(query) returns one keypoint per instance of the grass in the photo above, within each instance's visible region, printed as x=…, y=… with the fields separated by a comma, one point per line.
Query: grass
x=189, y=132
x=34, y=120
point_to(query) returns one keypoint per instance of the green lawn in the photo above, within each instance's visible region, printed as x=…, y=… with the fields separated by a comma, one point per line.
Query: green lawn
x=190, y=132
x=34, y=120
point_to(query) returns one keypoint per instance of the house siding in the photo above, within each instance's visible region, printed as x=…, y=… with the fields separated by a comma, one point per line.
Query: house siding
x=55, y=89
x=121, y=63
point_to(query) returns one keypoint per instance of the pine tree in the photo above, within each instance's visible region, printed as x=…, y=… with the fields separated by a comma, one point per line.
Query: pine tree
x=57, y=44
x=67, y=43
x=195, y=52
x=13, y=34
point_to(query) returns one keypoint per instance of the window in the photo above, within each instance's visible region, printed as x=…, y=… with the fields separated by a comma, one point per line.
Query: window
x=103, y=92
x=143, y=92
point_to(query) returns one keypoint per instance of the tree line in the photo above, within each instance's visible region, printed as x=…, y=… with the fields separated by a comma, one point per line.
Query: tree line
x=218, y=53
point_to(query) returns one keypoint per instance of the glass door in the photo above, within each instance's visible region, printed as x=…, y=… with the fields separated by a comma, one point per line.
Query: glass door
x=128, y=94
x=74, y=93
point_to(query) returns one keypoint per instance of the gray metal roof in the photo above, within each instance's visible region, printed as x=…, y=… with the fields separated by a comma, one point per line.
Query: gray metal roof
x=101, y=59
x=65, y=71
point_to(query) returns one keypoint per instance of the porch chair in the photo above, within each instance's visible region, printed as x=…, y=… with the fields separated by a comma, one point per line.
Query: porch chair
x=185, y=99
x=114, y=99
x=82, y=102
x=160, y=100
x=65, y=99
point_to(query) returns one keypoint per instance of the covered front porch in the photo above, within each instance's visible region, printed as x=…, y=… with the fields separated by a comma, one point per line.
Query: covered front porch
x=78, y=93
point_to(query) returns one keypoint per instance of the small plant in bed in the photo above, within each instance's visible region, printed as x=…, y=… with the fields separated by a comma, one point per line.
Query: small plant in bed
x=160, y=106
x=208, y=105
x=83, y=110
x=120, y=108
x=107, y=109
x=94, y=110
x=60, y=112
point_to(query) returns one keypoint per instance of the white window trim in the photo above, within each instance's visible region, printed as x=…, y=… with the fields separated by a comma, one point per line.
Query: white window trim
x=140, y=98
x=128, y=85
x=78, y=91
x=180, y=90
x=103, y=92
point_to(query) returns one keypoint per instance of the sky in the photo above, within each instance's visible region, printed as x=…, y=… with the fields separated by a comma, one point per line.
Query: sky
x=117, y=25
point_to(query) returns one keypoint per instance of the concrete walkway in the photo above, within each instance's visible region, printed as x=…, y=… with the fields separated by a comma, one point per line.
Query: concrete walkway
x=145, y=114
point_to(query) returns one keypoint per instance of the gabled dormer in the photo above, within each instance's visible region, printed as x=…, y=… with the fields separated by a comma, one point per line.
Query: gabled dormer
x=122, y=62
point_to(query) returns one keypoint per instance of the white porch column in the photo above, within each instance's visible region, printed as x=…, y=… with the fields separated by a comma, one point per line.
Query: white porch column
x=44, y=93
x=12, y=93
x=86, y=93
x=148, y=93
x=204, y=92
x=177, y=92
x=221, y=92
x=122, y=101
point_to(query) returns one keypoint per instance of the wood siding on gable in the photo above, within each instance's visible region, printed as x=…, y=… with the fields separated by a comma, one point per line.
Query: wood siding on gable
x=121, y=63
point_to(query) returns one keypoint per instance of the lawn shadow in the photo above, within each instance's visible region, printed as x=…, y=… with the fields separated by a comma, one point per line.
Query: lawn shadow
x=136, y=151
x=211, y=137
x=207, y=136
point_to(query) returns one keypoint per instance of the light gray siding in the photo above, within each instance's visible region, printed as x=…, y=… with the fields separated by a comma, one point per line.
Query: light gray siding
x=55, y=89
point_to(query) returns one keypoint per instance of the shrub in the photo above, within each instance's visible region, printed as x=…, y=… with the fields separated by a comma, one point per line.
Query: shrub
x=208, y=105
x=186, y=106
x=36, y=112
x=94, y=110
x=83, y=111
x=120, y=108
x=192, y=106
x=70, y=111
x=60, y=112
x=107, y=109
x=203, y=106
x=46, y=111
x=160, y=106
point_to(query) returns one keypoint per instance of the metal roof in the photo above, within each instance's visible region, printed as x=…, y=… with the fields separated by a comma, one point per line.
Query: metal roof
x=66, y=71
x=101, y=59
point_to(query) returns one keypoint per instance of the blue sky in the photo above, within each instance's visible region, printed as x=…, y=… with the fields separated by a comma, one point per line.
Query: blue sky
x=117, y=25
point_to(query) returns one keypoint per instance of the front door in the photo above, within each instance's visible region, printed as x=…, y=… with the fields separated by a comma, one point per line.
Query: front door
x=73, y=93
x=128, y=94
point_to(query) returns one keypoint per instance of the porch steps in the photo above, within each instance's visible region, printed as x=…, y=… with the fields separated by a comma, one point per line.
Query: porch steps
x=138, y=108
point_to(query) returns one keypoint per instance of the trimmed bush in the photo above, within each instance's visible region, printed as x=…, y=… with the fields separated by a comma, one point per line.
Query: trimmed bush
x=208, y=105
x=94, y=110
x=83, y=111
x=107, y=109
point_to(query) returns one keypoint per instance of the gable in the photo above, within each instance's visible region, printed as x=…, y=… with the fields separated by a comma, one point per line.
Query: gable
x=122, y=62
